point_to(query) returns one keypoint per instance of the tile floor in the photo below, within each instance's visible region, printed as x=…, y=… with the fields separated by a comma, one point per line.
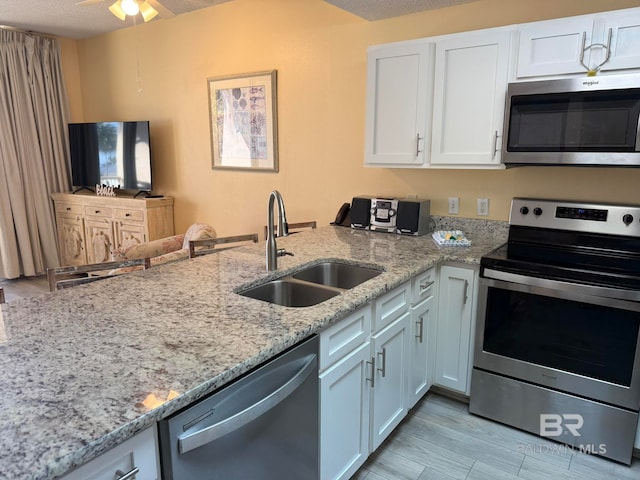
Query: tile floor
x=441, y=440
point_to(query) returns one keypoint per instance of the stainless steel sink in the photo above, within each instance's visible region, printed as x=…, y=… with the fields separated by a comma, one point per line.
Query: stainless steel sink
x=339, y=275
x=290, y=293
x=311, y=285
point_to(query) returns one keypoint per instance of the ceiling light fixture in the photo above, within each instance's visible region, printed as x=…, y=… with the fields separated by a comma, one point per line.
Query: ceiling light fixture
x=122, y=8
x=130, y=7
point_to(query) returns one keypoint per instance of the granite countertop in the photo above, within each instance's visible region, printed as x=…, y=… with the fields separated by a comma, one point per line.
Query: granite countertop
x=78, y=364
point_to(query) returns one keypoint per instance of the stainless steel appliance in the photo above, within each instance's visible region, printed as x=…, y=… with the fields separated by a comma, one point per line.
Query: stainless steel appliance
x=264, y=426
x=577, y=121
x=383, y=214
x=557, y=349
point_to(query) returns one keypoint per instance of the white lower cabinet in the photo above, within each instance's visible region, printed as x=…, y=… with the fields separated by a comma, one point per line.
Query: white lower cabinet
x=363, y=388
x=390, y=352
x=455, y=327
x=344, y=415
x=135, y=459
x=422, y=336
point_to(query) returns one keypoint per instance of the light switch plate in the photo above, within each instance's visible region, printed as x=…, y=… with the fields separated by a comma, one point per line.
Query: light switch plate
x=483, y=206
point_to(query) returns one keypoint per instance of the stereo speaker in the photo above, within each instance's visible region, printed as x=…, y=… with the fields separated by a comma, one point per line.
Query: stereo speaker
x=413, y=217
x=360, y=212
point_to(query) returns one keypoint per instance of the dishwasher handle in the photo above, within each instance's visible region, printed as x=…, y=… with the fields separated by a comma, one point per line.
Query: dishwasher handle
x=192, y=440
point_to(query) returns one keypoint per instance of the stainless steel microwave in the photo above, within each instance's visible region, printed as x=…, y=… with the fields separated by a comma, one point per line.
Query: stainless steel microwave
x=589, y=121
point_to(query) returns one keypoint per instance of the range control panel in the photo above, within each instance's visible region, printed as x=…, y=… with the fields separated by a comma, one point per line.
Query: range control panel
x=578, y=216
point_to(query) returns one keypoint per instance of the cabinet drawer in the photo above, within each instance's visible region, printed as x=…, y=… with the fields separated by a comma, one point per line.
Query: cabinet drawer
x=391, y=306
x=128, y=214
x=423, y=286
x=69, y=208
x=97, y=211
x=344, y=336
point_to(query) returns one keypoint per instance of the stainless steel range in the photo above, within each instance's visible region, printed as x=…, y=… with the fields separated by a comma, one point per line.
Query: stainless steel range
x=557, y=349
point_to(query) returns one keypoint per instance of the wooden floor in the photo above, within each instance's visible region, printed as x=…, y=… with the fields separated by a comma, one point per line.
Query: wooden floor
x=441, y=440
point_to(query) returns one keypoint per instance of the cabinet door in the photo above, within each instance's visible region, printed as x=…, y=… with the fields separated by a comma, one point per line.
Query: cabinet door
x=469, y=95
x=344, y=415
x=71, y=240
x=553, y=47
x=422, y=348
x=390, y=351
x=99, y=235
x=399, y=93
x=128, y=234
x=625, y=38
x=453, y=337
x=139, y=452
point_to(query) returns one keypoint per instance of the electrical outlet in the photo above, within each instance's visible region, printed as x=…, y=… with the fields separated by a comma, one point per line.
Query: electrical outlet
x=454, y=205
x=483, y=206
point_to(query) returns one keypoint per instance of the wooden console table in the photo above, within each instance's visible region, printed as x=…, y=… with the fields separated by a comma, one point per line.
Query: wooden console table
x=91, y=226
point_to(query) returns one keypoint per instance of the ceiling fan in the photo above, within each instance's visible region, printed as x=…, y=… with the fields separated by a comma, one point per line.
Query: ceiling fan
x=147, y=8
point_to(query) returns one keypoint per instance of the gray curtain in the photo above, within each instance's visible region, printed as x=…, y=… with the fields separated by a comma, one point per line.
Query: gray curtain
x=33, y=151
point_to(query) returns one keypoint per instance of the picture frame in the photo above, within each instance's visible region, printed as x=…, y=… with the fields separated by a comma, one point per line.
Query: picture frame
x=244, y=122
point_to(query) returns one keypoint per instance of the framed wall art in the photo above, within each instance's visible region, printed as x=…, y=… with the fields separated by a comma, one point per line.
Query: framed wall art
x=244, y=121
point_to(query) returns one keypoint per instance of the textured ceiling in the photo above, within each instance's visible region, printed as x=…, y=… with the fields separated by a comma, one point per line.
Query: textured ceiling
x=379, y=9
x=67, y=19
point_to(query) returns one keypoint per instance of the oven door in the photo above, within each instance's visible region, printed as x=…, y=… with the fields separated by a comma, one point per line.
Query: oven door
x=550, y=335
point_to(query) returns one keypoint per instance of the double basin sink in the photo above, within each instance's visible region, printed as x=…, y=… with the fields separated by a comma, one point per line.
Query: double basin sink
x=312, y=285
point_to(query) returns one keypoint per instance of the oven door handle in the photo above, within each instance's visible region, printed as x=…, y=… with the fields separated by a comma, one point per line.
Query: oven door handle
x=577, y=288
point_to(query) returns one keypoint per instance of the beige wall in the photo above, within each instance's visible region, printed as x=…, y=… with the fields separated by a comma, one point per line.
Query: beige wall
x=320, y=54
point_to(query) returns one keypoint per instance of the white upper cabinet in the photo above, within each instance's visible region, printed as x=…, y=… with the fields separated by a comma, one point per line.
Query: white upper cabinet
x=399, y=93
x=562, y=46
x=553, y=47
x=469, y=96
x=625, y=40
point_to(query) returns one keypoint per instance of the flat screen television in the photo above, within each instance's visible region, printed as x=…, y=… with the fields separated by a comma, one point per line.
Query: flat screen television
x=116, y=154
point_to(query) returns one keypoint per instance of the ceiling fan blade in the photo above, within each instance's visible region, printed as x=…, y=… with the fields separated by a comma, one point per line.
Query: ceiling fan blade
x=117, y=10
x=162, y=10
x=88, y=2
x=147, y=11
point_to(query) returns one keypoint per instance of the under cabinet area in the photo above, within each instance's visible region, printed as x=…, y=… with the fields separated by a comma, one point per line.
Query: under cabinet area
x=136, y=458
x=90, y=227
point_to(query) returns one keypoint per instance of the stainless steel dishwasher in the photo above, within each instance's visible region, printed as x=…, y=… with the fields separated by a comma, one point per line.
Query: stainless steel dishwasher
x=262, y=427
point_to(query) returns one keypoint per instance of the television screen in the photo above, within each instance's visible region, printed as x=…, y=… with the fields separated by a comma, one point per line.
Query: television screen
x=115, y=154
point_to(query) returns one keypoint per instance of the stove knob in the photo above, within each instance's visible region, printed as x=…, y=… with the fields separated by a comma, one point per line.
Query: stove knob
x=627, y=219
x=524, y=210
x=537, y=211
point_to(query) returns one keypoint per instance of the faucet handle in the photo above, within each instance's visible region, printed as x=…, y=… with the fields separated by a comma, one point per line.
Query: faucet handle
x=281, y=252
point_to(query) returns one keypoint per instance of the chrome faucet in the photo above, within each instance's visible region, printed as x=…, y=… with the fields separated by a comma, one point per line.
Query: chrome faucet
x=273, y=252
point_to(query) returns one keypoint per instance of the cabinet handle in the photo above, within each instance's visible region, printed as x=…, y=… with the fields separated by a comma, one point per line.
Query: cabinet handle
x=418, y=144
x=466, y=288
x=425, y=285
x=127, y=214
x=373, y=372
x=96, y=211
x=127, y=476
x=420, y=324
x=495, y=145
x=383, y=370
x=68, y=209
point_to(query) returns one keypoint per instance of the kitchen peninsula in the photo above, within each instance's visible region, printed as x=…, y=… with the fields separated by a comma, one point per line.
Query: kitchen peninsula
x=78, y=364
